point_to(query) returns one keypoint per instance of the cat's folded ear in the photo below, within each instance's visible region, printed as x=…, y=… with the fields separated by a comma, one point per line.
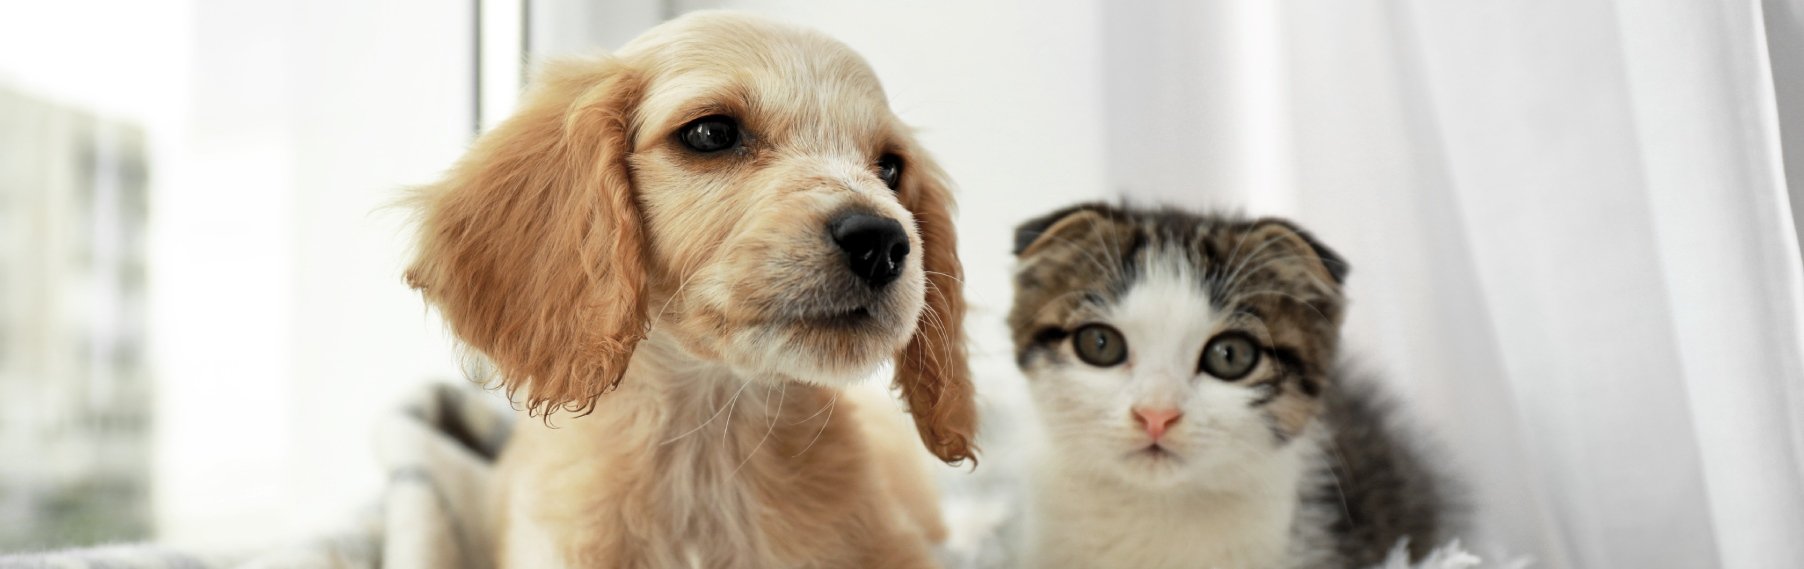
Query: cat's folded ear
x=1331, y=264
x=1071, y=224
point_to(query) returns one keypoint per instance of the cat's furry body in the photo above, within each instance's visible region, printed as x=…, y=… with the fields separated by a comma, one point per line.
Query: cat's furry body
x=1154, y=459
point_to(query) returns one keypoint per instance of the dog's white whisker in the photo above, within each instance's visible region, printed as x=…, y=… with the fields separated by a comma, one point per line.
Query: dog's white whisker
x=767, y=431
x=733, y=404
x=938, y=326
x=704, y=424
x=954, y=278
x=681, y=287
x=817, y=412
x=817, y=434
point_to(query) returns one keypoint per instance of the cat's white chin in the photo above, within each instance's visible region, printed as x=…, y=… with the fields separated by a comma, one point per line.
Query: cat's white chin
x=1155, y=467
x=1193, y=468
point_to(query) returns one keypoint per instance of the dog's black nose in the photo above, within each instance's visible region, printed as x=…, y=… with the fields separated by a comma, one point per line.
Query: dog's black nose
x=875, y=246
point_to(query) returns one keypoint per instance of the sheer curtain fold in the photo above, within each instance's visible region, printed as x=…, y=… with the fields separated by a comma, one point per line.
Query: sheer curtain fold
x=1573, y=251
x=1710, y=146
x=1533, y=107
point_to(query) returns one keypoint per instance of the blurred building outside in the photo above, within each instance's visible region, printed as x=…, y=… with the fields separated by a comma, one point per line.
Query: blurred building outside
x=75, y=392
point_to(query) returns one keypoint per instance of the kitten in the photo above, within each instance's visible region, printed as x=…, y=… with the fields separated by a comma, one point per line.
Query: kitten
x=1184, y=367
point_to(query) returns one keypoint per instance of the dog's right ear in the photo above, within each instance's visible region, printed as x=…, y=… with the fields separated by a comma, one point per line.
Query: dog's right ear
x=533, y=247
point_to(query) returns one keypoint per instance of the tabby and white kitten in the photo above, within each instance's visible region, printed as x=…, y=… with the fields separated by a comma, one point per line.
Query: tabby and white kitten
x=1196, y=415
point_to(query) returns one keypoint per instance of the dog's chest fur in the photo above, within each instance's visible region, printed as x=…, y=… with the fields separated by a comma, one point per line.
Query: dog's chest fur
x=696, y=470
x=739, y=472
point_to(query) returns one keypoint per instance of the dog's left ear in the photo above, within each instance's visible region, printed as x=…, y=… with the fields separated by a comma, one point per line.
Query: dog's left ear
x=932, y=371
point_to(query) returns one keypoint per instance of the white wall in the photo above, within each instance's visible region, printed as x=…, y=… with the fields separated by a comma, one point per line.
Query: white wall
x=221, y=276
x=383, y=102
x=288, y=327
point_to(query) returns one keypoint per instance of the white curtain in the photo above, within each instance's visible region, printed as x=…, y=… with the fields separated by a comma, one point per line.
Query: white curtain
x=1571, y=239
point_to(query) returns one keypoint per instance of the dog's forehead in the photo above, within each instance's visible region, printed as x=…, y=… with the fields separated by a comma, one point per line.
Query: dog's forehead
x=777, y=73
x=726, y=40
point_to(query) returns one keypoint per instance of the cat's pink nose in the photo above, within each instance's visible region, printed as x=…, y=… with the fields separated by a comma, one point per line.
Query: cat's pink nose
x=1155, y=421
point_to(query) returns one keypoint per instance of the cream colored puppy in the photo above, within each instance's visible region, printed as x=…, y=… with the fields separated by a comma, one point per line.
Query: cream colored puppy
x=690, y=247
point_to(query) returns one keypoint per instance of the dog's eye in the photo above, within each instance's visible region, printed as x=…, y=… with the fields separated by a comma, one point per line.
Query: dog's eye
x=889, y=169
x=710, y=134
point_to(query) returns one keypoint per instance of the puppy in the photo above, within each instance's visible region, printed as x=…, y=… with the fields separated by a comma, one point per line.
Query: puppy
x=689, y=248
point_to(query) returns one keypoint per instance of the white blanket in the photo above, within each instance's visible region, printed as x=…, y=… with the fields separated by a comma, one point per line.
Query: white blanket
x=439, y=451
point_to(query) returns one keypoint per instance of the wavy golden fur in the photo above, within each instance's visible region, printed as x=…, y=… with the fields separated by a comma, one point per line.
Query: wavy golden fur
x=607, y=270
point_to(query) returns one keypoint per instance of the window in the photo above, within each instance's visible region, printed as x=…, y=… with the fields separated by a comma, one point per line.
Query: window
x=74, y=441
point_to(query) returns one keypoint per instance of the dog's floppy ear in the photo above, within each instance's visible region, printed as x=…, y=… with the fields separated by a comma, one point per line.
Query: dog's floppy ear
x=932, y=371
x=532, y=246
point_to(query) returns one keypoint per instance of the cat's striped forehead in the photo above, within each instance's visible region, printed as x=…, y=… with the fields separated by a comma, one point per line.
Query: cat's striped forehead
x=1266, y=275
x=1096, y=252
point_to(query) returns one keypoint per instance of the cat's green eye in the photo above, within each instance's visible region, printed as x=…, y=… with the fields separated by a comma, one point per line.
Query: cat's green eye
x=1229, y=356
x=1099, y=345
